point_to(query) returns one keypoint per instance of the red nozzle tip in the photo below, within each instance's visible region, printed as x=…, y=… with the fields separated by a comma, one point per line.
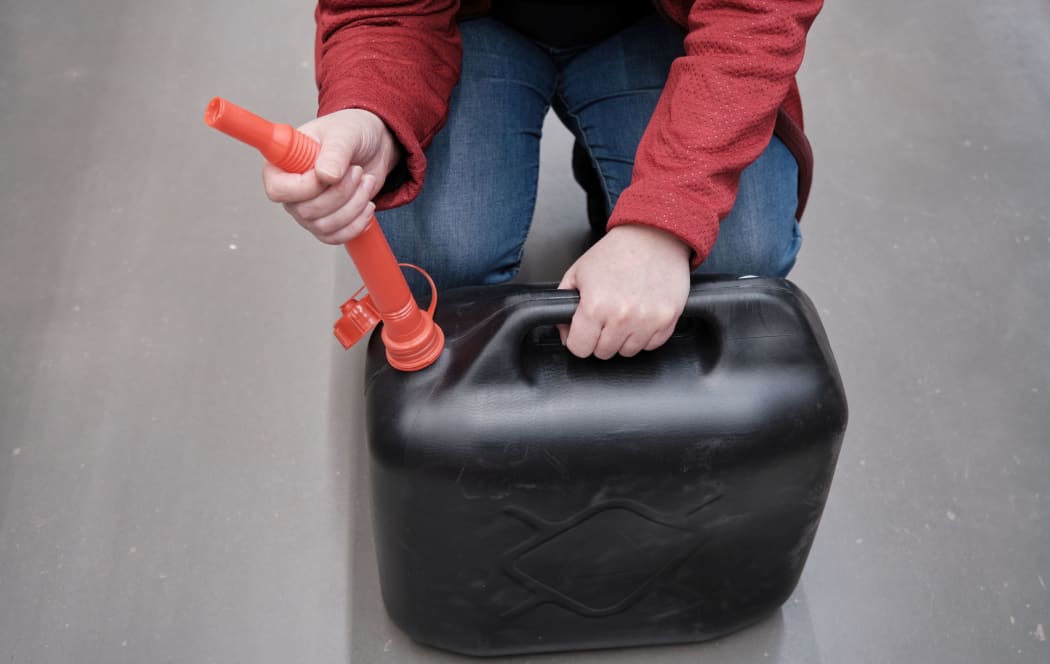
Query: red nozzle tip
x=232, y=120
x=281, y=145
x=213, y=112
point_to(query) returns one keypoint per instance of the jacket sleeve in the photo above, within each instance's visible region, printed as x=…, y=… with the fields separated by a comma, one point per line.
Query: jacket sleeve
x=715, y=116
x=399, y=59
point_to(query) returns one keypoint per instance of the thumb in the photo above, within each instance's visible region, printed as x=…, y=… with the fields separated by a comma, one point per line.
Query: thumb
x=333, y=159
x=568, y=282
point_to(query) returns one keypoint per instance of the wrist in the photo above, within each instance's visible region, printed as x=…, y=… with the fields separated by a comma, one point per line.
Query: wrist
x=666, y=241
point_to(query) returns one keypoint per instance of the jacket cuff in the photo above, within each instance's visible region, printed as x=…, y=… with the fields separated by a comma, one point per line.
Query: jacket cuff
x=668, y=213
x=405, y=181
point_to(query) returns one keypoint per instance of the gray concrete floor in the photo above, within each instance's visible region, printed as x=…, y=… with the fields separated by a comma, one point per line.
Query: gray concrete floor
x=181, y=452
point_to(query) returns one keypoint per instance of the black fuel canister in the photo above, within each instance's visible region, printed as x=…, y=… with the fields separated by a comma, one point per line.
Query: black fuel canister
x=525, y=500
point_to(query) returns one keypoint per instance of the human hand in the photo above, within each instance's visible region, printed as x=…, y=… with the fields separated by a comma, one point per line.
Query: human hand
x=633, y=286
x=334, y=199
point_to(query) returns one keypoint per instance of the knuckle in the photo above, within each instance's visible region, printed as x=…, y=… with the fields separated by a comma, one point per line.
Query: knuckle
x=667, y=313
x=658, y=339
x=658, y=320
x=306, y=211
x=329, y=231
x=273, y=190
x=330, y=225
x=293, y=212
x=596, y=308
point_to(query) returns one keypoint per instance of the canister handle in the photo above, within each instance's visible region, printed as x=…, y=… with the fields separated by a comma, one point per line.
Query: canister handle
x=551, y=307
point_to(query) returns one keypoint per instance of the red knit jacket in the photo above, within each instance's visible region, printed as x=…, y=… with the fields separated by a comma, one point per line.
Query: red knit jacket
x=400, y=59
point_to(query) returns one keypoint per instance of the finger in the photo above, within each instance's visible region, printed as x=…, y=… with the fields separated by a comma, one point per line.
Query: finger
x=331, y=199
x=283, y=187
x=634, y=344
x=568, y=282
x=334, y=158
x=584, y=332
x=611, y=340
x=358, y=224
x=354, y=228
x=372, y=183
x=659, y=338
x=329, y=229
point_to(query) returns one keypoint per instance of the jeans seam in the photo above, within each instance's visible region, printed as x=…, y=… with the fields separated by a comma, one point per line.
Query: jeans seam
x=581, y=136
x=527, y=228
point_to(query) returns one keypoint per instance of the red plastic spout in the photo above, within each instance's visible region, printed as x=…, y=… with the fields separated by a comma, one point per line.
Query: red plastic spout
x=280, y=144
x=413, y=341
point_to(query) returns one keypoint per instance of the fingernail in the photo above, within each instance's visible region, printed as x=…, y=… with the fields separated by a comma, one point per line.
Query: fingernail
x=327, y=169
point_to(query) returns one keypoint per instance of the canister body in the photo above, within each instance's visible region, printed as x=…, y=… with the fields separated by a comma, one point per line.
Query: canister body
x=526, y=500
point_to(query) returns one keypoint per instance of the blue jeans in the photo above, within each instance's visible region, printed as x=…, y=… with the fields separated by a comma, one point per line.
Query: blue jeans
x=469, y=223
